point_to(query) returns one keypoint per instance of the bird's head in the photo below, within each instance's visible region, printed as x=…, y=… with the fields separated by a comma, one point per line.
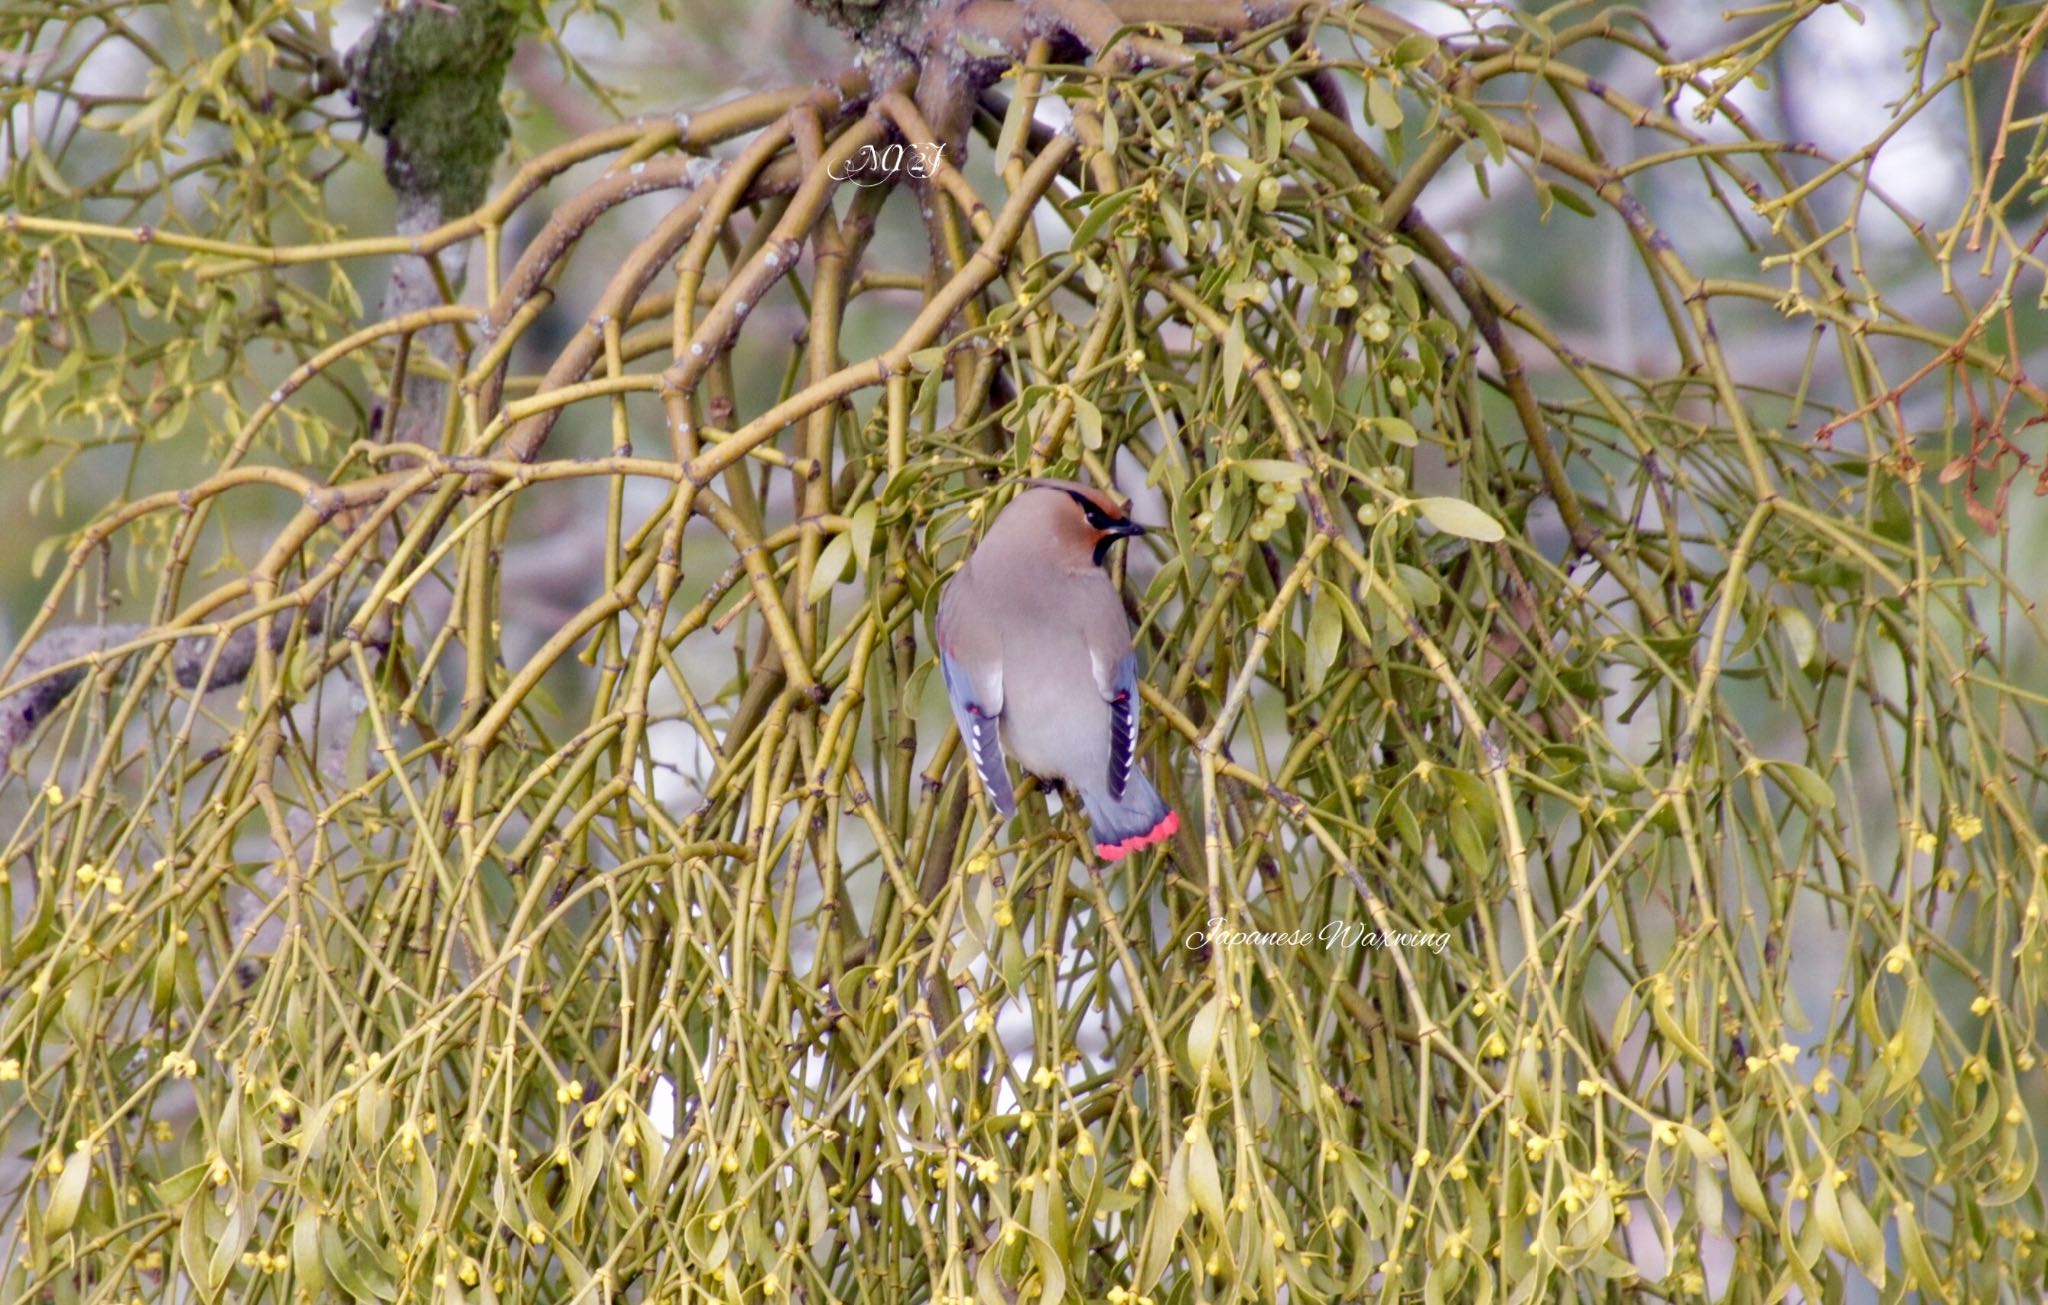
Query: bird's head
x=1077, y=522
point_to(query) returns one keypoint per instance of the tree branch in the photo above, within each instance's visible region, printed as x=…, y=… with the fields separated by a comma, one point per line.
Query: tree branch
x=62, y=660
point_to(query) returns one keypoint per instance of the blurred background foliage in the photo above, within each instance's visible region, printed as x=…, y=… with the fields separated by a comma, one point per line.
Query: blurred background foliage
x=479, y=824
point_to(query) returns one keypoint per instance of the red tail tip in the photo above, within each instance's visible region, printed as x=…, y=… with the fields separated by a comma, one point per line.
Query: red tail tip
x=1159, y=833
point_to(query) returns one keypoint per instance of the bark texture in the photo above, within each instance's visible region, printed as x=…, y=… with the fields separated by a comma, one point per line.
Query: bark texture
x=427, y=78
x=874, y=21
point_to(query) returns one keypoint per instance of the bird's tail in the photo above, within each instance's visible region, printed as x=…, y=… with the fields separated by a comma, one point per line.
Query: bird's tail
x=1122, y=826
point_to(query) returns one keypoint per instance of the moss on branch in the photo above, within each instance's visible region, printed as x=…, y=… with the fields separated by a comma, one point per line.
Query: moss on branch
x=427, y=78
x=869, y=20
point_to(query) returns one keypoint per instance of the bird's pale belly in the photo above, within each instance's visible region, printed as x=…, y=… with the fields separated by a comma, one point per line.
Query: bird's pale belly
x=1056, y=734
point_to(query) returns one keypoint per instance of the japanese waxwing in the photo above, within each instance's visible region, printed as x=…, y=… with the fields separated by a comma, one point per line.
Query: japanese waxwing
x=1037, y=659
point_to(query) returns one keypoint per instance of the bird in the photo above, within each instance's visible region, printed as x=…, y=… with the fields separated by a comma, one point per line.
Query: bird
x=1037, y=658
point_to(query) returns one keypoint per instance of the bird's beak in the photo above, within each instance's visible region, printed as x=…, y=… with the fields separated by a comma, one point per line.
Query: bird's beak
x=1124, y=529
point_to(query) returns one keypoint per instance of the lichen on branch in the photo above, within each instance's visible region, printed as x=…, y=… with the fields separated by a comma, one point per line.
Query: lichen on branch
x=864, y=18
x=427, y=78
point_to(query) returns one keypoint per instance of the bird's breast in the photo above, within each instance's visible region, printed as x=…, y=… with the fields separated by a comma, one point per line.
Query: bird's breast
x=1054, y=722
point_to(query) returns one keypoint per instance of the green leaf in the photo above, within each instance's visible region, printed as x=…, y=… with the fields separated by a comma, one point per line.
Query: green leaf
x=1913, y=1254
x=1233, y=357
x=1466, y=841
x=1866, y=1242
x=1800, y=638
x=1421, y=588
x=1483, y=127
x=1571, y=199
x=195, y=1248
x=358, y=1275
x=1089, y=418
x=1052, y=1275
x=1825, y=1210
x=1169, y=1216
x=234, y=1237
x=1454, y=516
x=1706, y=1196
x=1382, y=106
x=1166, y=581
x=67, y=1193
x=1396, y=430
x=1405, y=824
x=1907, y=1050
x=145, y=118
x=1202, y=1036
x=988, y=1288
x=926, y=361
x=1099, y=215
x=863, y=532
x=1325, y=633
x=373, y=1108
x=310, y=1272
x=832, y=563
x=926, y=401
x=1749, y=1193
x=1278, y=471
x=1205, y=1183
x=1176, y=226
x=178, y=1188
x=1657, y=1175
x=1803, y=783
x=1675, y=1033
x=1244, y=290
x=1414, y=48
x=48, y=170
x=39, y=558
x=913, y=688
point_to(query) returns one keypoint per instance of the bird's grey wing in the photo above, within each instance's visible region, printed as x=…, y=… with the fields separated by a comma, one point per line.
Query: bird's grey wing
x=970, y=660
x=1115, y=663
x=1123, y=725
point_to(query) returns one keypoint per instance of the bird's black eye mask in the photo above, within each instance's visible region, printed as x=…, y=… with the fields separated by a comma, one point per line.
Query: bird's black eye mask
x=1113, y=528
x=1097, y=518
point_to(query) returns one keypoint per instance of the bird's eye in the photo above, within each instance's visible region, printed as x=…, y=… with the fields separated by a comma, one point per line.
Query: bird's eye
x=1094, y=514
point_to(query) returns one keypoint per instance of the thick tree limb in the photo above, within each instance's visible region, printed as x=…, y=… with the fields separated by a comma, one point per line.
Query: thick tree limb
x=62, y=660
x=427, y=79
